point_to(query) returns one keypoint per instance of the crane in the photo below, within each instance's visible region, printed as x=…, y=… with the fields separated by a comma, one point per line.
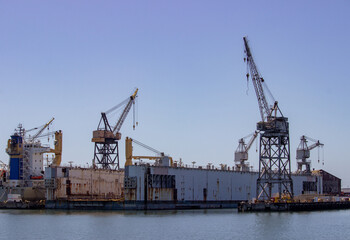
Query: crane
x=106, y=137
x=57, y=150
x=39, y=133
x=160, y=159
x=241, y=153
x=274, y=138
x=303, y=152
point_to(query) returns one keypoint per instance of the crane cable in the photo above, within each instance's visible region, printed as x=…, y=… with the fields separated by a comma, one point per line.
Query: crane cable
x=145, y=146
x=137, y=111
x=117, y=106
x=247, y=75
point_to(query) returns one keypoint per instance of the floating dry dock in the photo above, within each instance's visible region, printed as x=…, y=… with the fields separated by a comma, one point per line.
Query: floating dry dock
x=157, y=187
x=295, y=206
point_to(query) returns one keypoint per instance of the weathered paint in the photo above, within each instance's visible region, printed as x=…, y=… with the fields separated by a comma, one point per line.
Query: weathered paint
x=83, y=183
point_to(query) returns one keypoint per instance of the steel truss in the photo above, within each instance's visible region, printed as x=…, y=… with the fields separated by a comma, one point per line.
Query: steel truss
x=107, y=155
x=274, y=166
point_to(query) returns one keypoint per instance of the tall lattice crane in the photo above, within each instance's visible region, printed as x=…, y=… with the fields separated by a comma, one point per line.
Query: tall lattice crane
x=241, y=153
x=106, y=153
x=303, y=153
x=274, y=153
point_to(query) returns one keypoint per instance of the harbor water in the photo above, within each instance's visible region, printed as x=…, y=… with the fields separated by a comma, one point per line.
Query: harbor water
x=185, y=224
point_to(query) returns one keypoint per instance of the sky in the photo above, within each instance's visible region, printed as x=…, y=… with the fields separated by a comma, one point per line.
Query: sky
x=73, y=60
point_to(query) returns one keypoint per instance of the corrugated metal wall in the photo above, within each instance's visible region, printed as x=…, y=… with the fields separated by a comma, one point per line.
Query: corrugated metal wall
x=193, y=184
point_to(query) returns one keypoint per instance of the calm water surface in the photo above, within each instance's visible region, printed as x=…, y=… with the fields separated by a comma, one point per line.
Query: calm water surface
x=187, y=224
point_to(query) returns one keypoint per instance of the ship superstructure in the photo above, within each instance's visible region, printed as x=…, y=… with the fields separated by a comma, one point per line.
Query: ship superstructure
x=25, y=173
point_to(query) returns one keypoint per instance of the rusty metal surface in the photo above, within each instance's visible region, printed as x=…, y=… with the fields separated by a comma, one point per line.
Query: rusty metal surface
x=83, y=183
x=154, y=183
x=160, y=194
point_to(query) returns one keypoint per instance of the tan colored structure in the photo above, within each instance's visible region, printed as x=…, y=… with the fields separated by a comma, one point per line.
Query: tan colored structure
x=68, y=183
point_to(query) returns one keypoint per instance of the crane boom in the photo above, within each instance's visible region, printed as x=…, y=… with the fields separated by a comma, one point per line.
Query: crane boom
x=146, y=146
x=126, y=110
x=317, y=144
x=257, y=82
x=42, y=129
x=250, y=143
x=161, y=160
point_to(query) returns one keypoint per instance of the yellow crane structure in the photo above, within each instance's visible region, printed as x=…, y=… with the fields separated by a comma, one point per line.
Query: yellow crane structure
x=57, y=149
x=160, y=160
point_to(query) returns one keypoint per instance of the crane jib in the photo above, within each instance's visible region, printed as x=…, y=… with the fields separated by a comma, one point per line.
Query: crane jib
x=123, y=116
x=257, y=80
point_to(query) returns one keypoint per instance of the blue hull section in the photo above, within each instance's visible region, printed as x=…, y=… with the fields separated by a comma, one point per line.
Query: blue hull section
x=14, y=168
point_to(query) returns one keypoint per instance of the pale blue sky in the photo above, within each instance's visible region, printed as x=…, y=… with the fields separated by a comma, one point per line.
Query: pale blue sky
x=73, y=59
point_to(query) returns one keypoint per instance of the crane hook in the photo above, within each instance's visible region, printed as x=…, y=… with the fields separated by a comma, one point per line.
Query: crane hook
x=247, y=83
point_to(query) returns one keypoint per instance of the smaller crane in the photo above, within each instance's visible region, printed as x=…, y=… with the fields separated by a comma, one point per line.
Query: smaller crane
x=160, y=159
x=106, y=137
x=31, y=139
x=241, y=153
x=303, y=153
x=57, y=150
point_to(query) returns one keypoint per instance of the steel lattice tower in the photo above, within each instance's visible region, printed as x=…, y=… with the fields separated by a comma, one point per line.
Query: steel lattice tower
x=274, y=162
x=106, y=154
x=274, y=157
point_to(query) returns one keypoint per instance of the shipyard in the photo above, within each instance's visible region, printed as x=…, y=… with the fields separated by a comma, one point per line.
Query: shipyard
x=174, y=120
x=158, y=181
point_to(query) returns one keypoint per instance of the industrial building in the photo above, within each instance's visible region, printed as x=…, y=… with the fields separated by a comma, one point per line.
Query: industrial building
x=330, y=184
